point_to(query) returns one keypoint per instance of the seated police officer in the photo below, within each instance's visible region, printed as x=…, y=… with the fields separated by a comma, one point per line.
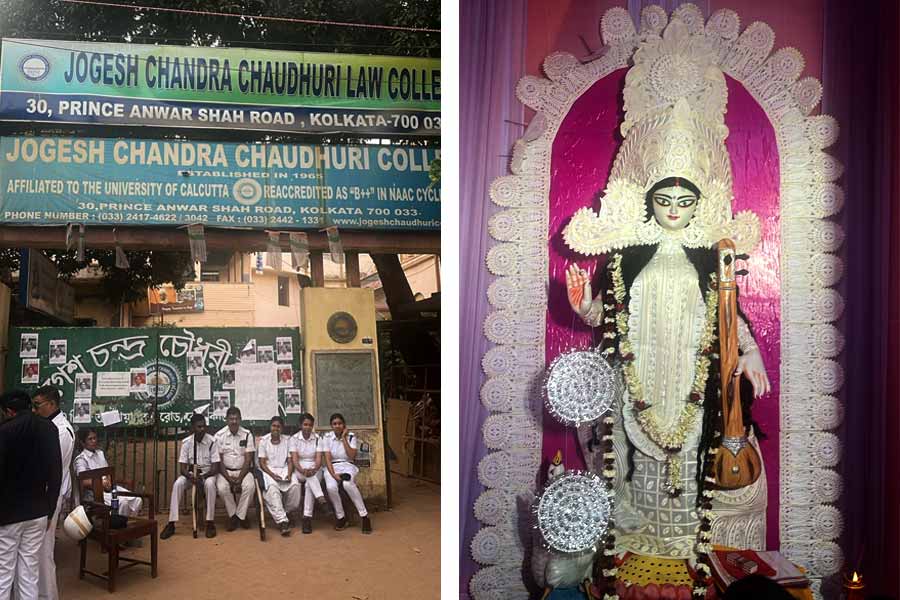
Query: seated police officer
x=200, y=447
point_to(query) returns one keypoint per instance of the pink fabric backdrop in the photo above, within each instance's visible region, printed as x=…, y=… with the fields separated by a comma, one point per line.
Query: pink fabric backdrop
x=583, y=152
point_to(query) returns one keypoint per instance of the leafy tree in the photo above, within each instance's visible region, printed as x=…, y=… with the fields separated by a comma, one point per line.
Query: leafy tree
x=146, y=269
x=57, y=19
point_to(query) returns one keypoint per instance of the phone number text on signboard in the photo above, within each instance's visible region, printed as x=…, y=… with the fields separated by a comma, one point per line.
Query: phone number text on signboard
x=108, y=181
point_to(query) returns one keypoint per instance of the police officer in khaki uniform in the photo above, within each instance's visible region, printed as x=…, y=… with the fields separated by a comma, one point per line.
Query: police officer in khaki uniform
x=236, y=447
x=208, y=463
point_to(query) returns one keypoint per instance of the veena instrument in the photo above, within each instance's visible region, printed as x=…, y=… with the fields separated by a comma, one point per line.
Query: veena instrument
x=736, y=464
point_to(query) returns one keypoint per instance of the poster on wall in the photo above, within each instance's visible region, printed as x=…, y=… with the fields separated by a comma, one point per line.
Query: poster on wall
x=228, y=377
x=248, y=352
x=285, y=376
x=265, y=354
x=82, y=410
x=195, y=363
x=112, y=384
x=58, y=81
x=84, y=384
x=138, y=381
x=202, y=388
x=28, y=344
x=58, y=352
x=284, y=351
x=256, y=393
x=31, y=368
x=221, y=402
x=136, y=372
x=292, y=402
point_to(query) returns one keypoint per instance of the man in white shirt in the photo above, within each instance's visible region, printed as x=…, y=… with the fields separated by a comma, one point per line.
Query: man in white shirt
x=306, y=454
x=282, y=491
x=45, y=402
x=207, y=455
x=236, y=447
x=92, y=457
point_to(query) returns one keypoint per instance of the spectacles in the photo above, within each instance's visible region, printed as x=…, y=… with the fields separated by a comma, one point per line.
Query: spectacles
x=37, y=405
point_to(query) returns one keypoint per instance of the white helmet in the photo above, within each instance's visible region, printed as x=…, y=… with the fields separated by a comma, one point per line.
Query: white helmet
x=77, y=525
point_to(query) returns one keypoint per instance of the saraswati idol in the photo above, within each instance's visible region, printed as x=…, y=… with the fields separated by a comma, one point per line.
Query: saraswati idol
x=667, y=205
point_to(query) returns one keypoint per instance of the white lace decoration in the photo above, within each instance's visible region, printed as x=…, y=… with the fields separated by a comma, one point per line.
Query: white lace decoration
x=810, y=374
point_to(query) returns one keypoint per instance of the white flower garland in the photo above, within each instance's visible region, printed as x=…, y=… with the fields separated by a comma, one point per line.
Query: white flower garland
x=672, y=439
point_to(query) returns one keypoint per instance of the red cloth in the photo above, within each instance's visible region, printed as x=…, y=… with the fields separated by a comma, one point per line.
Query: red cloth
x=736, y=571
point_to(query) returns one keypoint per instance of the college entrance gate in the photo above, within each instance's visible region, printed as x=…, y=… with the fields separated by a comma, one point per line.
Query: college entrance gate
x=139, y=387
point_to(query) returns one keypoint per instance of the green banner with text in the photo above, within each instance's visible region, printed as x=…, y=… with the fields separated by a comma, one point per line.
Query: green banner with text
x=234, y=88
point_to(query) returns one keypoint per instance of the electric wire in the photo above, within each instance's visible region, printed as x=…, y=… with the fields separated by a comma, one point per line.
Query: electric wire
x=245, y=16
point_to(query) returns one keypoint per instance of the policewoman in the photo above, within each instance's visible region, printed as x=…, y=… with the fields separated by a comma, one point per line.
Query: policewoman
x=282, y=491
x=340, y=447
x=306, y=453
x=92, y=457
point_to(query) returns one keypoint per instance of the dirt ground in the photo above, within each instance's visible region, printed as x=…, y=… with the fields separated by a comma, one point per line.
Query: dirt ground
x=401, y=559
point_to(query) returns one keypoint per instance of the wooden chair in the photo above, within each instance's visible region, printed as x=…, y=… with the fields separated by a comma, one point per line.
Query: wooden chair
x=111, y=539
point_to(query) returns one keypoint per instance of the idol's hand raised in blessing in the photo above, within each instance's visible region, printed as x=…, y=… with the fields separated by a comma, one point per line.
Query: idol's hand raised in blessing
x=578, y=285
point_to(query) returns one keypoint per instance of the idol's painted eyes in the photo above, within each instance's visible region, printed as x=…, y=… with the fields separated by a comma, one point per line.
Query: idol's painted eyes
x=681, y=201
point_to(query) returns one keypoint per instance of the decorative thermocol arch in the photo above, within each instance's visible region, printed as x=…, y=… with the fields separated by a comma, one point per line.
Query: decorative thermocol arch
x=803, y=257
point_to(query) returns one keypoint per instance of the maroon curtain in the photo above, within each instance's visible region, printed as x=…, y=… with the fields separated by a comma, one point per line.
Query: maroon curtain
x=890, y=76
x=860, y=75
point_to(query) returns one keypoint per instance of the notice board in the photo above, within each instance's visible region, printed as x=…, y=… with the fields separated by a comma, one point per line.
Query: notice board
x=344, y=382
x=178, y=371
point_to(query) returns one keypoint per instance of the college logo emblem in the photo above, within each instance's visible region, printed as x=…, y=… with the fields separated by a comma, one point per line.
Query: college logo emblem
x=247, y=191
x=162, y=383
x=34, y=67
x=342, y=327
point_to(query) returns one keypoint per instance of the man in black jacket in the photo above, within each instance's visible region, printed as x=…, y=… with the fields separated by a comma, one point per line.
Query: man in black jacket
x=30, y=477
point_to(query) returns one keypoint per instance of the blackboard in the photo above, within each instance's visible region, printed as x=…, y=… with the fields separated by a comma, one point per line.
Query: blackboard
x=345, y=383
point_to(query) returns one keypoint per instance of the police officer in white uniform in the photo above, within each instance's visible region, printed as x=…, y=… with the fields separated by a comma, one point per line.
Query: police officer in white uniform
x=282, y=491
x=30, y=472
x=306, y=454
x=46, y=404
x=92, y=457
x=237, y=448
x=208, y=465
x=340, y=447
